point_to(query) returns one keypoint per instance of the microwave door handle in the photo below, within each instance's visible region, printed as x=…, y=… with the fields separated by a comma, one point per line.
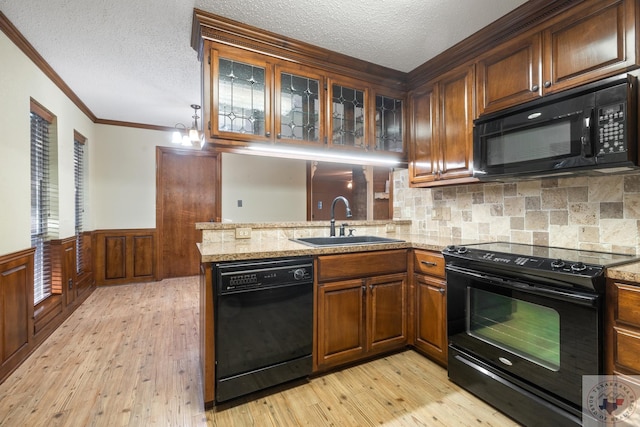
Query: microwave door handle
x=587, y=135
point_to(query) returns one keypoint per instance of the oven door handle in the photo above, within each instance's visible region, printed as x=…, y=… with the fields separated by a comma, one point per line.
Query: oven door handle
x=588, y=300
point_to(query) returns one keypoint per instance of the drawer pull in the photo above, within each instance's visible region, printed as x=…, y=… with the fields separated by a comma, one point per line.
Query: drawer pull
x=429, y=263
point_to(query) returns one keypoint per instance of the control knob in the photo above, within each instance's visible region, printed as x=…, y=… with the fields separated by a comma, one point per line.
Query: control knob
x=299, y=273
x=557, y=263
x=577, y=267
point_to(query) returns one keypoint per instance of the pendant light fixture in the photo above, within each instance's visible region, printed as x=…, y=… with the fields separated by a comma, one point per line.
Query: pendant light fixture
x=188, y=137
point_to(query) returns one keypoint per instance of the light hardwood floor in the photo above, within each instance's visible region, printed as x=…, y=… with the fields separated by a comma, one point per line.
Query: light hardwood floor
x=129, y=357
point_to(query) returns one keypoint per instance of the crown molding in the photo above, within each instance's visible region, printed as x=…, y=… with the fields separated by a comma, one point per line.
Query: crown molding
x=522, y=19
x=23, y=44
x=133, y=125
x=225, y=31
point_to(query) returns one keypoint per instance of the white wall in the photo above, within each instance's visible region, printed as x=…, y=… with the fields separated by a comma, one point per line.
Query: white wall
x=121, y=180
x=271, y=189
x=123, y=176
x=21, y=80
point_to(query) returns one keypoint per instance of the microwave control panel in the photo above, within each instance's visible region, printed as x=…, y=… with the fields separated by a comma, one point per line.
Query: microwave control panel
x=611, y=129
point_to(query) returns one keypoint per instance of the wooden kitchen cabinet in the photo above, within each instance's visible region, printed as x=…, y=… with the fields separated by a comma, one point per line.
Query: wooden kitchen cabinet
x=240, y=96
x=509, y=74
x=341, y=328
x=300, y=100
x=622, y=328
x=430, y=305
x=263, y=101
x=441, y=140
x=386, y=312
x=251, y=97
x=254, y=98
x=360, y=310
x=587, y=43
x=389, y=120
x=350, y=114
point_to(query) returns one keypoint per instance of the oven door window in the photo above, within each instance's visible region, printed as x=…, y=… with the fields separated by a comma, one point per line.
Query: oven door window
x=528, y=330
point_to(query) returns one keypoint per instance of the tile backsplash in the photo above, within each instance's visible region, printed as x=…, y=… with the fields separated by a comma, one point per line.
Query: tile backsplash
x=597, y=213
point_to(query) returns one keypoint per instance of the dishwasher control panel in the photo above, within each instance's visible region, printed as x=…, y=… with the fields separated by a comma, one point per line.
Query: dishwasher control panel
x=240, y=276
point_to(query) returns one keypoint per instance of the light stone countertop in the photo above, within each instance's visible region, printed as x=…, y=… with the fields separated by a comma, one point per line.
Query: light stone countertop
x=240, y=249
x=278, y=245
x=296, y=224
x=627, y=272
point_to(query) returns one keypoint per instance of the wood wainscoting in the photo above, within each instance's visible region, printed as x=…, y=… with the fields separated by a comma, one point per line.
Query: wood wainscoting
x=16, y=305
x=23, y=326
x=124, y=256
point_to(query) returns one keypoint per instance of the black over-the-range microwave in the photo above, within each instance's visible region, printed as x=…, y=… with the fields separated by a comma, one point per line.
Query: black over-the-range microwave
x=591, y=129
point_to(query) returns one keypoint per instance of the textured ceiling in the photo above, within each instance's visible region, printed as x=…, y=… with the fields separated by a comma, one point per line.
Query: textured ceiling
x=132, y=60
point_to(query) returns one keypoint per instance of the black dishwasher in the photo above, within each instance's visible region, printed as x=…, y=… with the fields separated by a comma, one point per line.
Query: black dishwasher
x=263, y=324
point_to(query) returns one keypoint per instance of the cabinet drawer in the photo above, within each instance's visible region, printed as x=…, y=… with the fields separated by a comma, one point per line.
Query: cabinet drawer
x=362, y=264
x=627, y=349
x=628, y=305
x=431, y=263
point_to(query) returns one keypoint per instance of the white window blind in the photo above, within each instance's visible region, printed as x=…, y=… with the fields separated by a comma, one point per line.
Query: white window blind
x=44, y=196
x=78, y=170
x=40, y=202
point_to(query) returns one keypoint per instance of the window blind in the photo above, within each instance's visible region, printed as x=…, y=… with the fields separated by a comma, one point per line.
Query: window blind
x=78, y=170
x=40, y=205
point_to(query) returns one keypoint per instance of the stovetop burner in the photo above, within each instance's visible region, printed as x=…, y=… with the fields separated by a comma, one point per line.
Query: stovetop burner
x=569, y=267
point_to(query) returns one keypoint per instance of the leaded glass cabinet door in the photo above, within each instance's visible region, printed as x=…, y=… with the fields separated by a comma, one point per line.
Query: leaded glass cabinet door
x=241, y=87
x=389, y=123
x=348, y=109
x=299, y=106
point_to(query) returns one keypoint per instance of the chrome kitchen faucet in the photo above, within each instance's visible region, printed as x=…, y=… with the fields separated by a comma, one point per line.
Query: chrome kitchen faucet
x=332, y=232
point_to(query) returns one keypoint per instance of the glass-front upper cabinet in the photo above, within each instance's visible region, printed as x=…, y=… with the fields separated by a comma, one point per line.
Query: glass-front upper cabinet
x=299, y=101
x=389, y=123
x=240, y=96
x=348, y=110
x=255, y=98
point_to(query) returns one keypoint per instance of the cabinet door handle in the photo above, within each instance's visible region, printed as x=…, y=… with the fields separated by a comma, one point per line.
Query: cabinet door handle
x=547, y=84
x=429, y=263
x=535, y=88
x=267, y=134
x=441, y=290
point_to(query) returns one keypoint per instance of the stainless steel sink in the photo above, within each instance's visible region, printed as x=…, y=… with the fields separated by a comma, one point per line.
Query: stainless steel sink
x=344, y=240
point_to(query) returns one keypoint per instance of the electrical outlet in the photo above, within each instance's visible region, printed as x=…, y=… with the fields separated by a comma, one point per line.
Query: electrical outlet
x=391, y=228
x=243, y=233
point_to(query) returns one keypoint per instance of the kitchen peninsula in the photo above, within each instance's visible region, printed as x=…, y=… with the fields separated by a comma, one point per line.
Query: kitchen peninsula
x=383, y=265
x=220, y=241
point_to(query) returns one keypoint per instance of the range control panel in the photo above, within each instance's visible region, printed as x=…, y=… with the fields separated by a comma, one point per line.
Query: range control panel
x=519, y=261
